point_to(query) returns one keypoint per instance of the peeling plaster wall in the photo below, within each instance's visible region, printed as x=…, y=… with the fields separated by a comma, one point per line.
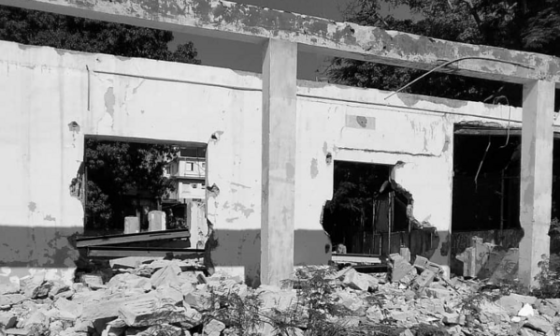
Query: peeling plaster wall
x=52, y=99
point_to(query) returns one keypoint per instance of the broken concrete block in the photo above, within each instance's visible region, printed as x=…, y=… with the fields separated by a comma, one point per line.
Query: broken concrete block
x=374, y=314
x=31, y=285
x=156, y=220
x=405, y=254
x=281, y=300
x=349, y=300
x=539, y=324
x=143, y=314
x=37, y=318
x=355, y=280
x=490, y=312
x=199, y=300
x=9, y=288
x=108, y=306
x=507, y=269
x=169, y=295
x=166, y=276
x=193, y=317
x=548, y=307
x=161, y=329
x=510, y=304
x=423, y=280
x=468, y=258
x=131, y=225
x=128, y=281
x=526, y=311
x=398, y=268
x=113, y=331
x=93, y=281
x=56, y=327
x=213, y=328
x=7, y=319
x=452, y=318
x=423, y=263
x=439, y=293
x=11, y=299
x=69, y=308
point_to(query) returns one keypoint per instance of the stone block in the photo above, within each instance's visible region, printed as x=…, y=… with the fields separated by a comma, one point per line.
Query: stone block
x=405, y=254
x=538, y=323
x=131, y=225
x=167, y=275
x=199, y=300
x=213, y=328
x=108, y=306
x=70, y=309
x=169, y=295
x=507, y=269
x=128, y=281
x=7, y=319
x=148, y=313
x=355, y=280
x=161, y=329
x=423, y=280
x=398, y=268
x=11, y=299
x=93, y=281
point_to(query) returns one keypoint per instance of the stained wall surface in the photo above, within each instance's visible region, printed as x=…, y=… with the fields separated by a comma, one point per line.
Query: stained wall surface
x=53, y=99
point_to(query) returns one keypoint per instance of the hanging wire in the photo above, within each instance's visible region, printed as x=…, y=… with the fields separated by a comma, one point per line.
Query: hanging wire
x=481, y=163
x=454, y=61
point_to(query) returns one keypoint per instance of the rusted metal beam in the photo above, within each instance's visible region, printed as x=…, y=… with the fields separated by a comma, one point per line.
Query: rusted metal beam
x=254, y=24
x=132, y=238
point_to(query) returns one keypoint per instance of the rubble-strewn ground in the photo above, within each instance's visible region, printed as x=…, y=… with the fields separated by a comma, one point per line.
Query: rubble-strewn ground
x=170, y=297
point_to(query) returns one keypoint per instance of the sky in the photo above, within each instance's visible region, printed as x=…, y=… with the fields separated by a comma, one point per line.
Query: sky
x=247, y=56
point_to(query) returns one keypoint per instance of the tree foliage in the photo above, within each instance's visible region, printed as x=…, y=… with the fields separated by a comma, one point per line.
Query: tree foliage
x=115, y=170
x=72, y=33
x=515, y=24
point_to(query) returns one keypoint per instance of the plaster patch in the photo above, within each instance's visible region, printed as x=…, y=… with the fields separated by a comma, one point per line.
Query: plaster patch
x=290, y=171
x=32, y=206
x=314, y=169
x=245, y=210
x=110, y=101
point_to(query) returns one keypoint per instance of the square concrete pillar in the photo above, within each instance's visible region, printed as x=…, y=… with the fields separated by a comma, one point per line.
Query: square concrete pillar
x=278, y=161
x=536, y=177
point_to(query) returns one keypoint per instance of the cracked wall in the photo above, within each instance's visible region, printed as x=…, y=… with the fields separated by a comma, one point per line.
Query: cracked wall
x=51, y=101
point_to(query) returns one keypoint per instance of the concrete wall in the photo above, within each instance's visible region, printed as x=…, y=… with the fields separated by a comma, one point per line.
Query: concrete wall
x=52, y=99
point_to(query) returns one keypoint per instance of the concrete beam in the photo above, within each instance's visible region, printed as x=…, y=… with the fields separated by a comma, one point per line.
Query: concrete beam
x=278, y=161
x=536, y=177
x=254, y=24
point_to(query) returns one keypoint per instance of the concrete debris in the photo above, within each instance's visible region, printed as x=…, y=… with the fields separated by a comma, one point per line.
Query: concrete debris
x=164, y=297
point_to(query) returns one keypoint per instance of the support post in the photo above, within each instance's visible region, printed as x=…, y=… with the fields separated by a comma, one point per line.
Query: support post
x=536, y=177
x=278, y=161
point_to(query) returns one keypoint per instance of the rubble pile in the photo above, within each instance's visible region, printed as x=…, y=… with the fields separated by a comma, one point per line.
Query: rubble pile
x=171, y=297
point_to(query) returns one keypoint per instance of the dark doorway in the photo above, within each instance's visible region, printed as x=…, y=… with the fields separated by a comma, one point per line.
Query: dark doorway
x=486, y=167
x=368, y=211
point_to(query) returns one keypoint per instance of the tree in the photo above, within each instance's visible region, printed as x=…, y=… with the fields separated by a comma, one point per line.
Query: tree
x=72, y=33
x=512, y=24
x=114, y=169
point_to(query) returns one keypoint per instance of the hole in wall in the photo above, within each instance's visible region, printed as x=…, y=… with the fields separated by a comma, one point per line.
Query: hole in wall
x=128, y=181
x=366, y=215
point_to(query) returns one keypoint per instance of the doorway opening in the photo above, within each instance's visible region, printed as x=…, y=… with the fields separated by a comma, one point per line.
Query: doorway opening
x=368, y=212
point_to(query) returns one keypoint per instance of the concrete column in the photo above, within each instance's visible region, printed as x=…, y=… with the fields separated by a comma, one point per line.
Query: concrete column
x=536, y=177
x=278, y=161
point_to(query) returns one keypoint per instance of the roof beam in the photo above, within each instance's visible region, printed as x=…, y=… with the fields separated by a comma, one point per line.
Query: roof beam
x=248, y=23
